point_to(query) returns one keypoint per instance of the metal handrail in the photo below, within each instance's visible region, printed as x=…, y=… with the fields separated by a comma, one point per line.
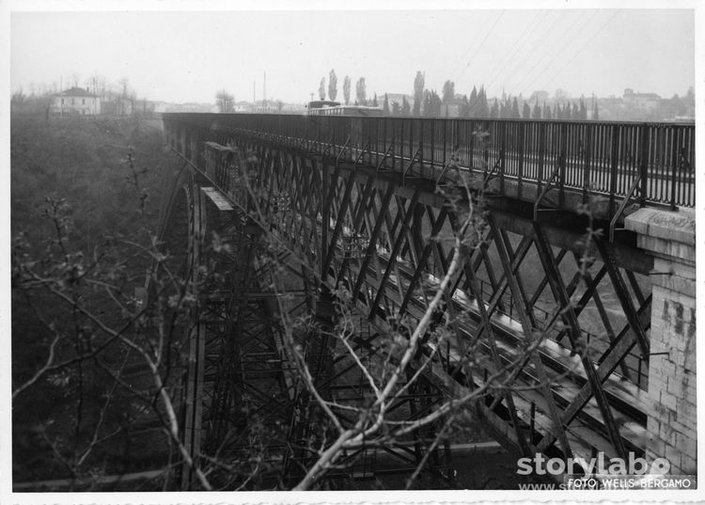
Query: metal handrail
x=604, y=155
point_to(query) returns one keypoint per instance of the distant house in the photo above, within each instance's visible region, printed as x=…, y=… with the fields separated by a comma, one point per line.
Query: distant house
x=75, y=101
x=641, y=101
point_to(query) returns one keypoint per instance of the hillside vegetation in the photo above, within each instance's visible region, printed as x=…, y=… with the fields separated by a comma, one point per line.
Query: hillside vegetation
x=95, y=183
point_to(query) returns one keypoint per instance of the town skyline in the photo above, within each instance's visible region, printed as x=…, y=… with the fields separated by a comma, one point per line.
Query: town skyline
x=120, y=99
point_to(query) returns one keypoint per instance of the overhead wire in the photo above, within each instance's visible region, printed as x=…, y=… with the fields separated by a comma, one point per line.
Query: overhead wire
x=549, y=57
x=509, y=55
x=577, y=53
x=542, y=36
x=480, y=46
x=529, y=81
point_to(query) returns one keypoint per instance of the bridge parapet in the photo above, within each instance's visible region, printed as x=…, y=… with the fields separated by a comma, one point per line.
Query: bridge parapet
x=670, y=238
x=561, y=163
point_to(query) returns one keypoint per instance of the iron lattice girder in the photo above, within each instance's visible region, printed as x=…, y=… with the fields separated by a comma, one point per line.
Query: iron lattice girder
x=232, y=337
x=529, y=328
x=389, y=207
x=574, y=334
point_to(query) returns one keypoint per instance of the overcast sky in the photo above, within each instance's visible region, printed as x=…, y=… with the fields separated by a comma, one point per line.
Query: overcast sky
x=187, y=56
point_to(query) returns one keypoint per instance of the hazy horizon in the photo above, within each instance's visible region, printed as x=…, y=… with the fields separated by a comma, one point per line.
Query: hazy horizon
x=188, y=56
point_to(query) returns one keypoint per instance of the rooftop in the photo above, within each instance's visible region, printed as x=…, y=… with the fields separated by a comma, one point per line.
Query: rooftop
x=76, y=92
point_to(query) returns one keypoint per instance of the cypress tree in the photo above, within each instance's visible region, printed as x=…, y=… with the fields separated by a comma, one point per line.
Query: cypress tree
x=483, y=110
x=494, y=111
x=332, y=85
x=515, y=109
x=464, y=107
x=473, y=103
x=322, y=89
x=405, y=107
x=419, y=86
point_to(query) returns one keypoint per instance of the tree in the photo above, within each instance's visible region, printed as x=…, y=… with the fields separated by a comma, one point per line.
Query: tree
x=124, y=84
x=494, y=112
x=537, y=111
x=96, y=334
x=483, y=109
x=396, y=109
x=405, y=107
x=448, y=92
x=385, y=106
x=546, y=111
x=419, y=87
x=505, y=109
x=582, y=114
x=432, y=104
x=332, y=85
x=473, y=102
x=344, y=429
x=561, y=95
x=77, y=273
x=361, y=91
x=18, y=97
x=224, y=101
x=526, y=111
x=322, y=89
x=146, y=336
x=346, y=89
x=97, y=85
x=374, y=101
x=515, y=109
x=464, y=110
x=595, y=112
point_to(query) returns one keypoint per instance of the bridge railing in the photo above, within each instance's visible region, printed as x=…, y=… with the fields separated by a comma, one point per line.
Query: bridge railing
x=600, y=158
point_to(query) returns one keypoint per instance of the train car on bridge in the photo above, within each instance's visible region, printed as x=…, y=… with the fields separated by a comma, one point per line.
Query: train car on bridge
x=331, y=108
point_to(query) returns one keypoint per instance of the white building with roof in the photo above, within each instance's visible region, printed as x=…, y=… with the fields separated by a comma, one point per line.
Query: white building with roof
x=75, y=101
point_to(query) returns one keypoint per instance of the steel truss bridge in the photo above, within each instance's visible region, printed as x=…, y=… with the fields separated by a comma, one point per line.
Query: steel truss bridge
x=290, y=209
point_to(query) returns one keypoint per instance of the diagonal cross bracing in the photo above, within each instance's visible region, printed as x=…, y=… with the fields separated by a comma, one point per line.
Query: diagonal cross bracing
x=577, y=389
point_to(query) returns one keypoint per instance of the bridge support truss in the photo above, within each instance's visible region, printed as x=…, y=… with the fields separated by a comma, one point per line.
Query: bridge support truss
x=558, y=312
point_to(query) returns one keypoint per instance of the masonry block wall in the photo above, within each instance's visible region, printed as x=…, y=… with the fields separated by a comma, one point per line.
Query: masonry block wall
x=670, y=238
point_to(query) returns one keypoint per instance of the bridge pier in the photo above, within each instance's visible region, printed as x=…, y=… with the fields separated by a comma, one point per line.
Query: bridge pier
x=670, y=238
